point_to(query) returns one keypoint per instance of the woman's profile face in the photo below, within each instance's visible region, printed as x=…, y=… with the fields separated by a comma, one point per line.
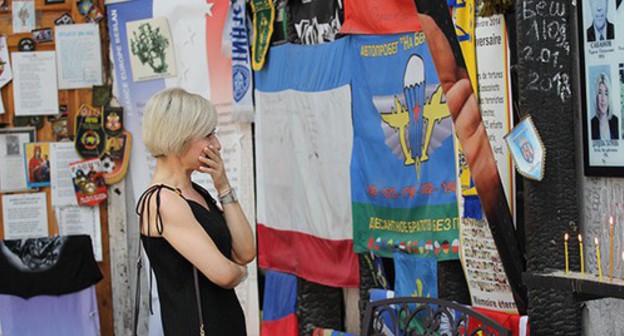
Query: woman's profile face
x=196, y=149
x=602, y=99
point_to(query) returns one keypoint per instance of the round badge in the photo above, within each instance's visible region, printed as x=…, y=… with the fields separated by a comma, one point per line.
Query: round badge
x=26, y=44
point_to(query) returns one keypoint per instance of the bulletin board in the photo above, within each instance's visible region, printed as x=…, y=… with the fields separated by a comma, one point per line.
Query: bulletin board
x=46, y=13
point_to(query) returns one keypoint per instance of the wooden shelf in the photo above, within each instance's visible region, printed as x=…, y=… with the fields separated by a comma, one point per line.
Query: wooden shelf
x=587, y=286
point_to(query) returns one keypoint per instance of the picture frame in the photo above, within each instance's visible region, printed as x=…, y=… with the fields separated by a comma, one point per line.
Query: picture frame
x=12, y=153
x=600, y=33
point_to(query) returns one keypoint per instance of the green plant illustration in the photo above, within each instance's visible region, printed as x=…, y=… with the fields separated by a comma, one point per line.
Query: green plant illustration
x=149, y=45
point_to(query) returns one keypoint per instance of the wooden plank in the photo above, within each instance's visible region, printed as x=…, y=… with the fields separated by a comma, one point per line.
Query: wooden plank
x=119, y=261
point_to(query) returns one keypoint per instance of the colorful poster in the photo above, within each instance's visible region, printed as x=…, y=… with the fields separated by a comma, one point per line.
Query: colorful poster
x=196, y=29
x=37, y=164
x=303, y=148
x=402, y=171
x=88, y=182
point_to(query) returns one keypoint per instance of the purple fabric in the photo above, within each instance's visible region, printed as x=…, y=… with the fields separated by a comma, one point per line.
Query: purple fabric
x=74, y=314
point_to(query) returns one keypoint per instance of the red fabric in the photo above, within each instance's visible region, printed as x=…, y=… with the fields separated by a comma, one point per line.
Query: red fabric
x=509, y=321
x=323, y=261
x=375, y=17
x=287, y=326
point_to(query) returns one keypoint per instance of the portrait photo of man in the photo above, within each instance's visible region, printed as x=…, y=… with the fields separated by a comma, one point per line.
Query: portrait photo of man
x=600, y=29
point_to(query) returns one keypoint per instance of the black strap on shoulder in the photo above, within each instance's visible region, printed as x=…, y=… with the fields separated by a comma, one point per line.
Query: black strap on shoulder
x=142, y=209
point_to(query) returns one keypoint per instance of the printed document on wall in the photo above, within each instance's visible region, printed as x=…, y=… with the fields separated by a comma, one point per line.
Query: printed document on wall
x=79, y=58
x=25, y=216
x=33, y=91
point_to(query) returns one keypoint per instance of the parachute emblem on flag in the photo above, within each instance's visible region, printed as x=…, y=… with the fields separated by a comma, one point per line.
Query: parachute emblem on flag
x=414, y=126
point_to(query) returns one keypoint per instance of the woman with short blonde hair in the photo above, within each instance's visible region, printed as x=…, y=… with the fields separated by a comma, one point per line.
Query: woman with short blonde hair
x=183, y=230
x=604, y=125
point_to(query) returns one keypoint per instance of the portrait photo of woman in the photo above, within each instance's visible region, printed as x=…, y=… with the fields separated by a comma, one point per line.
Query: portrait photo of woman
x=604, y=125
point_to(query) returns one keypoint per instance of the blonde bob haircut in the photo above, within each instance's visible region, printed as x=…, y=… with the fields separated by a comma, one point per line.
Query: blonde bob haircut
x=174, y=117
x=604, y=80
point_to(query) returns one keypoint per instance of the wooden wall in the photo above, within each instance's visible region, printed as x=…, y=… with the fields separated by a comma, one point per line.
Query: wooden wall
x=45, y=16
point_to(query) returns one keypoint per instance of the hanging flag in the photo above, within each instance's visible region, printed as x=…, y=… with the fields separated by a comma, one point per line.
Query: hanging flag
x=263, y=17
x=415, y=276
x=315, y=21
x=464, y=16
x=402, y=170
x=379, y=17
x=280, y=305
x=241, y=64
x=303, y=147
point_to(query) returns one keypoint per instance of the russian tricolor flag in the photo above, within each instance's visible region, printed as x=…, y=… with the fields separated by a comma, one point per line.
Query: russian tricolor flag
x=280, y=305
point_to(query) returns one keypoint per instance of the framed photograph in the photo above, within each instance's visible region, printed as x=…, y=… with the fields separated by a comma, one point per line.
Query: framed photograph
x=601, y=43
x=13, y=177
x=37, y=164
x=42, y=35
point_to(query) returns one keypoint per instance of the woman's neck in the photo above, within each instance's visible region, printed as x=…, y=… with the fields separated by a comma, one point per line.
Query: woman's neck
x=170, y=170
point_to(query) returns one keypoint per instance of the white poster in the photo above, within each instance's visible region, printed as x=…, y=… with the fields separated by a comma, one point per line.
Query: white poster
x=151, y=49
x=34, y=88
x=25, y=216
x=6, y=75
x=23, y=16
x=62, y=187
x=82, y=220
x=12, y=172
x=484, y=271
x=79, y=56
x=495, y=96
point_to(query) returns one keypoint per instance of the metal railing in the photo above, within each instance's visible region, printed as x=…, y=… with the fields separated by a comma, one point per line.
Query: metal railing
x=415, y=316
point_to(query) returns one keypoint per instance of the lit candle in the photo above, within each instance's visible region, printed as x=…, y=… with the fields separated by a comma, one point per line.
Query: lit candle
x=611, y=248
x=565, y=252
x=598, y=255
x=582, y=256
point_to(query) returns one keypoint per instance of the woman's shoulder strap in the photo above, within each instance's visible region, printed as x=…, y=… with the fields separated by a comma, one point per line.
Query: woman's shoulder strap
x=154, y=192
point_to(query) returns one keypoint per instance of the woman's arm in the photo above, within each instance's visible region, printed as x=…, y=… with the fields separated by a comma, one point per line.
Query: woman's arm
x=243, y=242
x=186, y=235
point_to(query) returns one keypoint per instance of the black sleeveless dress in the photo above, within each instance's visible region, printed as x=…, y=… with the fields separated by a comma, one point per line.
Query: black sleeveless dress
x=221, y=310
